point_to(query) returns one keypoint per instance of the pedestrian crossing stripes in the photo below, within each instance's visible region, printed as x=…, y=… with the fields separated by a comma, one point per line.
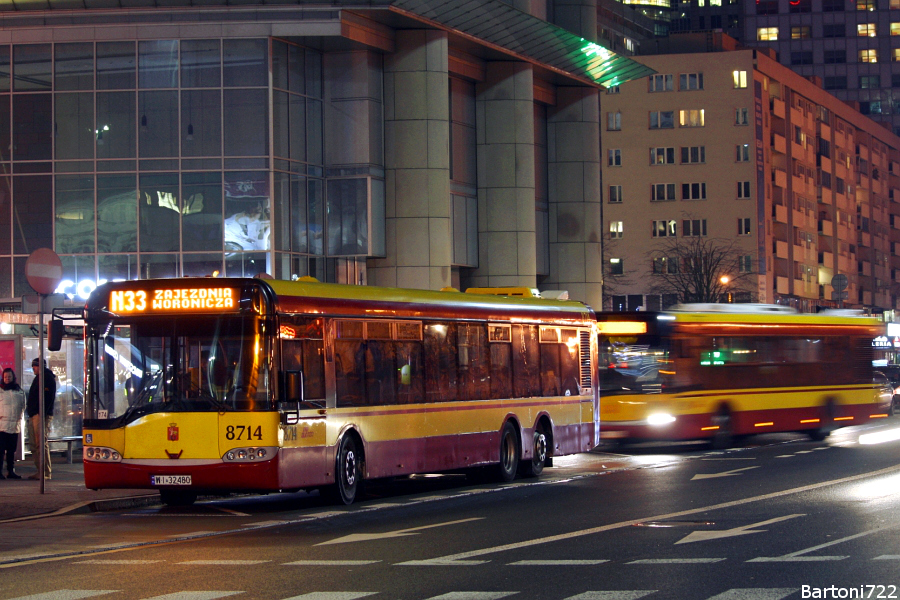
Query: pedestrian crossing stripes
x=731, y=594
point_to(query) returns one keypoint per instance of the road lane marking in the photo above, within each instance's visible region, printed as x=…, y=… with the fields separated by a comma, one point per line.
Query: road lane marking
x=674, y=561
x=222, y=562
x=613, y=595
x=797, y=556
x=887, y=557
x=730, y=473
x=66, y=595
x=332, y=596
x=754, y=594
x=194, y=595
x=365, y=537
x=472, y=595
x=462, y=557
x=556, y=563
x=97, y=561
x=329, y=563
x=700, y=536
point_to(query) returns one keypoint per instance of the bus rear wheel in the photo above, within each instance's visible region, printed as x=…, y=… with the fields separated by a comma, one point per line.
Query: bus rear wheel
x=177, y=497
x=539, y=450
x=509, y=453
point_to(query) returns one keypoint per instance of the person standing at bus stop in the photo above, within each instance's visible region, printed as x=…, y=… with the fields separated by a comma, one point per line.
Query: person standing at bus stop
x=36, y=433
x=12, y=404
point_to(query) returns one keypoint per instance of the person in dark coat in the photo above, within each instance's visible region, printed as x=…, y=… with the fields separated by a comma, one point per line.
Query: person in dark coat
x=36, y=433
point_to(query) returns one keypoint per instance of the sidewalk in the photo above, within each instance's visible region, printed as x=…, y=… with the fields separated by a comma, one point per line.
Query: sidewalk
x=63, y=493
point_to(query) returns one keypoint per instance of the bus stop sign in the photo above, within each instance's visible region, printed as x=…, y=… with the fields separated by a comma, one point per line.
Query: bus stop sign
x=43, y=270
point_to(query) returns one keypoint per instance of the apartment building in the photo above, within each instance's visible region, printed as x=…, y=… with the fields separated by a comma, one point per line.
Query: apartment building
x=735, y=147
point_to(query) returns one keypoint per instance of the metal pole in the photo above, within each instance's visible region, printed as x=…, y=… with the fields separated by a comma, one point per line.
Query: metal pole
x=43, y=431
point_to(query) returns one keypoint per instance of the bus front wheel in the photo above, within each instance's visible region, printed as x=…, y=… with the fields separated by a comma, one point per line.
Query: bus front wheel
x=723, y=435
x=348, y=471
x=509, y=453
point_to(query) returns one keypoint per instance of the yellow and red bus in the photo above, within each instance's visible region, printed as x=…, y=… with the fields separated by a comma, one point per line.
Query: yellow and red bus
x=719, y=371
x=217, y=385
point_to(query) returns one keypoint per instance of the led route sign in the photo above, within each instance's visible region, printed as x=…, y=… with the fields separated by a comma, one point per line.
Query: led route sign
x=172, y=300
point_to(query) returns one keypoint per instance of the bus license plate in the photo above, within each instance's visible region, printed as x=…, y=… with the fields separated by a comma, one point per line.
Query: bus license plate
x=170, y=480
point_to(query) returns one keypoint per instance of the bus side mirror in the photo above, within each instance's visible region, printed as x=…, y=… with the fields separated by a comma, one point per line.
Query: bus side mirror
x=55, y=332
x=292, y=396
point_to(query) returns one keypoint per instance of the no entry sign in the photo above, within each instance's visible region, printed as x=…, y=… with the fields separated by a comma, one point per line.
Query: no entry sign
x=43, y=270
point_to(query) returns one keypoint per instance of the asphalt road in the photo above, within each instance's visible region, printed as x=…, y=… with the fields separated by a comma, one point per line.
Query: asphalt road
x=779, y=518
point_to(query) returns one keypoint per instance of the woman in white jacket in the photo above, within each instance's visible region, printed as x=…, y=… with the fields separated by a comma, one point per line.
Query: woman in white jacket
x=12, y=405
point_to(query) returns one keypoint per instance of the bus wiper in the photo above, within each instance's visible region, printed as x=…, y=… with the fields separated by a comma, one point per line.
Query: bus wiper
x=143, y=400
x=197, y=393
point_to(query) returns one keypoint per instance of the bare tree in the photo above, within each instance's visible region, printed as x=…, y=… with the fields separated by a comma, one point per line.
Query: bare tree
x=699, y=269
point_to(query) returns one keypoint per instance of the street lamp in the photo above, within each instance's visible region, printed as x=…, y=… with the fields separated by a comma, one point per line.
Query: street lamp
x=724, y=279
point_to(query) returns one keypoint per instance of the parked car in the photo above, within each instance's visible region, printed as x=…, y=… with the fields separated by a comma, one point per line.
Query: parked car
x=887, y=397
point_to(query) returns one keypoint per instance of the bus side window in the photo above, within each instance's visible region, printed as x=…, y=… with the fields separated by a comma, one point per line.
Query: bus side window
x=526, y=361
x=441, y=373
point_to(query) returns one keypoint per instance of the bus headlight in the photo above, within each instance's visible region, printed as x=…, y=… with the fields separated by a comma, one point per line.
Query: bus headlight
x=660, y=419
x=100, y=454
x=254, y=454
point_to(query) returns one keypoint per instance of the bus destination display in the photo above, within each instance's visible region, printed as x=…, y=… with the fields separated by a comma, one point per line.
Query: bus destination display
x=173, y=300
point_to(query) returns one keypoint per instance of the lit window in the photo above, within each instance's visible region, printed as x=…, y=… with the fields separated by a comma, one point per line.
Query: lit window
x=615, y=229
x=895, y=54
x=895, y=28
x=664, y=228
x=616, y=266
x=691, y=118
x=740, y=79
x=865, y=4
x=865, y=29
x=800, y=32
x=869, y=55
x=767, y=34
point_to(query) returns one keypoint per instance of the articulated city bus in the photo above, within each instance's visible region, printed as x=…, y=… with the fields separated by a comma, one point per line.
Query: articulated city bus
x=217, y=385
x=720, y=371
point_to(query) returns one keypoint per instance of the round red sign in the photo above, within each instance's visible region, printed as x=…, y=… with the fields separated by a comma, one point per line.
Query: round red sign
x=43, y=270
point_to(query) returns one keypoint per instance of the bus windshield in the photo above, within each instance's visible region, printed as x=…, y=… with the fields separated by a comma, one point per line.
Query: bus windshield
x=176, y=365
x=631, y=364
